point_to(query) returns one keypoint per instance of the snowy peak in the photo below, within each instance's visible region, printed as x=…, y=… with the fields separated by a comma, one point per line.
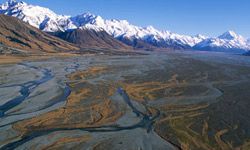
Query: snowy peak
x=200, y=36
x=34, y=15
x=227, y=42
x=229, y=35
x=10, y=4
x=88, y=21
x=81, y=20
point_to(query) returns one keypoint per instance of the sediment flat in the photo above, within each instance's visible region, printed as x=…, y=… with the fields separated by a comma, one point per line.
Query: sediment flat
x=174, y=100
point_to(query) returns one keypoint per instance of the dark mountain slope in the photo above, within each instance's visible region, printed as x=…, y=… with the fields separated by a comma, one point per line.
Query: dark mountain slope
x=17, y=34
x=92, y=39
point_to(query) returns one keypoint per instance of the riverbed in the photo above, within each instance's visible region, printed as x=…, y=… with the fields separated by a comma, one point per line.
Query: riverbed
x=120, y=102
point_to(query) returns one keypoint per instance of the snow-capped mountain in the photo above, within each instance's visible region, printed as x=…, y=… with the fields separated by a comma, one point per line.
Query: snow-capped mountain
x=227, y=42
x=230, y=35
x=122, y=29
x=39, y=17
x=48, y=21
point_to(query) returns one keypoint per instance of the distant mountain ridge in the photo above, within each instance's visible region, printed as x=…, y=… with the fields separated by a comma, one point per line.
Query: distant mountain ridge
x=227, y=42
x=138, y=37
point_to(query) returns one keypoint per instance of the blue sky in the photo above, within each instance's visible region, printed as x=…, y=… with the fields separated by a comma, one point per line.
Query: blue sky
x=209, y=17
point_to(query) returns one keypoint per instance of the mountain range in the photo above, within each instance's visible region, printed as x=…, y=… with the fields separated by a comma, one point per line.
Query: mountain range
x=87, y=27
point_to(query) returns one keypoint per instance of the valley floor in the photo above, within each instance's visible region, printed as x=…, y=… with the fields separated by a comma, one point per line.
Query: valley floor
x=175, y=100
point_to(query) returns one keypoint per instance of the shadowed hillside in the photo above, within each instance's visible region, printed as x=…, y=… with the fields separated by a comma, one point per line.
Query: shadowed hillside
x=17, y=34
x=92, y=39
